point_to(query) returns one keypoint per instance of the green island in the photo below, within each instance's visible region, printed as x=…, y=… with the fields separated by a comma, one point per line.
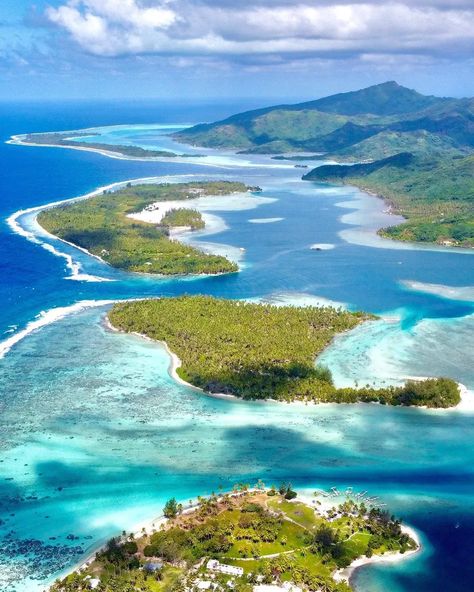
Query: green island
x=260, y=351
x=179, y=217
x=101, y=225
x=378, y=127
x=244, y=541
x=72, y=140
x=436, y=196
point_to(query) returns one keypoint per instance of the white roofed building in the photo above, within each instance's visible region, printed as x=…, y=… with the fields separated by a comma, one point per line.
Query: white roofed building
x=230, y=570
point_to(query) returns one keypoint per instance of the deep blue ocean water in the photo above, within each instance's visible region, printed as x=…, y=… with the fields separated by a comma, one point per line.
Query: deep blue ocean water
x=94, y=433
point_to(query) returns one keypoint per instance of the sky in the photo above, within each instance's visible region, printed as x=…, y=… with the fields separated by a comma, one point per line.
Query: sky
x=227, y=49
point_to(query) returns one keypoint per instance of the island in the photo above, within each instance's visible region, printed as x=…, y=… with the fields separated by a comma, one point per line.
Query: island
x=436, y=196
x=248, y=540
x=415, y=151
x=260, y=351
x=73, y=140
x=103, y=227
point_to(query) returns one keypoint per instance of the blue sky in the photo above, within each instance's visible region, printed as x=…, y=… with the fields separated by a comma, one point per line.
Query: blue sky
x=187, y=49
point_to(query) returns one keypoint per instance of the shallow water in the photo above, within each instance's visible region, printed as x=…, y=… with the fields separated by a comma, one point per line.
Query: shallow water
x=93, y=429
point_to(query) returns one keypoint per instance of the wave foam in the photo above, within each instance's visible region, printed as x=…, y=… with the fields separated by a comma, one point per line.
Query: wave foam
x=75, y=267
x=46, y=318
x=322, y=247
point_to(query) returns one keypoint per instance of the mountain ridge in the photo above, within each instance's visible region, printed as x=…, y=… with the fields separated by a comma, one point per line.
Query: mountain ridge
x=416, y=151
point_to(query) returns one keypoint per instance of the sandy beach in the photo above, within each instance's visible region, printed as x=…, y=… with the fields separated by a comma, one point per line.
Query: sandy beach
x=344, y=575
x=466, y=404
x=109, y=153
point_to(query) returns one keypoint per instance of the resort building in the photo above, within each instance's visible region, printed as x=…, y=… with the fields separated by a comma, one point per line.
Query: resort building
x=230, y=570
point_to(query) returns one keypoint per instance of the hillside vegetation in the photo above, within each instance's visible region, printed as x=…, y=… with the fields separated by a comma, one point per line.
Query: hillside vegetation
x=259, y=351
x=338, y=122
x=436, y=196
x=101, y=226
x=433, y=190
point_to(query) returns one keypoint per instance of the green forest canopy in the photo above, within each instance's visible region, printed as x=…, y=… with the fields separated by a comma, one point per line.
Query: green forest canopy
x=101, y=225
x=259, y=351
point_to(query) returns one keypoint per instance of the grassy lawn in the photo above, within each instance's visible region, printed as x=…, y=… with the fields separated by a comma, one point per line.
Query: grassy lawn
x=243, y=531
x=294, y=535
x=297, y=511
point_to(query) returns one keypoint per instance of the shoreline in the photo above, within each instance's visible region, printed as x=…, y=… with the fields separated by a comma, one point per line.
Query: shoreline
x=75, y=267
x=16, y=140
x=347, y=573
x=464, y=405
x=175, y=363
x=386, y=241
x=149, y=526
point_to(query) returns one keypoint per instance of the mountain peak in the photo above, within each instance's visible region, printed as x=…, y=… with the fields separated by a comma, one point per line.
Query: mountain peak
x=386, y=98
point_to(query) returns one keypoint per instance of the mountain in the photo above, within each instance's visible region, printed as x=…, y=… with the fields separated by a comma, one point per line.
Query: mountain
x=416, y=151
x=337, y=122
x=388, y=98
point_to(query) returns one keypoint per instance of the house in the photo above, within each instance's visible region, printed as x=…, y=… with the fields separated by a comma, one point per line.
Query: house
x=230, y=570
x=153, y=566
x=93, y=583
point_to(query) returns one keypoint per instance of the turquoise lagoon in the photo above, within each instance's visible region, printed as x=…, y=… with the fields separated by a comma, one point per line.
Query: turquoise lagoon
x=95, y=435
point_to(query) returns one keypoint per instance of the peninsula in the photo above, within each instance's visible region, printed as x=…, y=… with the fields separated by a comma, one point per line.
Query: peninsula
x=416, y=151
x=260, y=351
x=436, y=196
x=103, y=226
x=250, y=540
x=73, y=140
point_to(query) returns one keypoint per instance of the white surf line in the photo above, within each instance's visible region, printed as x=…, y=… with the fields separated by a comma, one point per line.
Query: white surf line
x=75, y=267
x=46, y=318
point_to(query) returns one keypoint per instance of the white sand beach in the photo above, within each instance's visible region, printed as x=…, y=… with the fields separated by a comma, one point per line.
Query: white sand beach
x=393, y=557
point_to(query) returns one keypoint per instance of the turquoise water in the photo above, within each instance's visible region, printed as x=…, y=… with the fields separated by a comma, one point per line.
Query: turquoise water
x=95, y=435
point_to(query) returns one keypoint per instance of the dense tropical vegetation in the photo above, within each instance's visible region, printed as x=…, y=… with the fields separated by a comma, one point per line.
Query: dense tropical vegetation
x=434, y=189
x=179, y=217
x=101, y=226
x=259, y=351
x=436, y=196
x=271, y=539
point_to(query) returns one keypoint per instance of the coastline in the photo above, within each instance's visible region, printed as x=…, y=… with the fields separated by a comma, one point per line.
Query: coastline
x=75, y=267
x=346, y=574
x=466, y=403
x=380, y=240
x=175, y=363
x=149, y=526
x=17, y=141
x=12, y=222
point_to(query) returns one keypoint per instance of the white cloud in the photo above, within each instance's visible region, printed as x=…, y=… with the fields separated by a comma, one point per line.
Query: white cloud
x=192, y=27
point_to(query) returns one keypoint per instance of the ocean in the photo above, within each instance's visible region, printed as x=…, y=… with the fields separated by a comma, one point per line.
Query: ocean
x=94, y=433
